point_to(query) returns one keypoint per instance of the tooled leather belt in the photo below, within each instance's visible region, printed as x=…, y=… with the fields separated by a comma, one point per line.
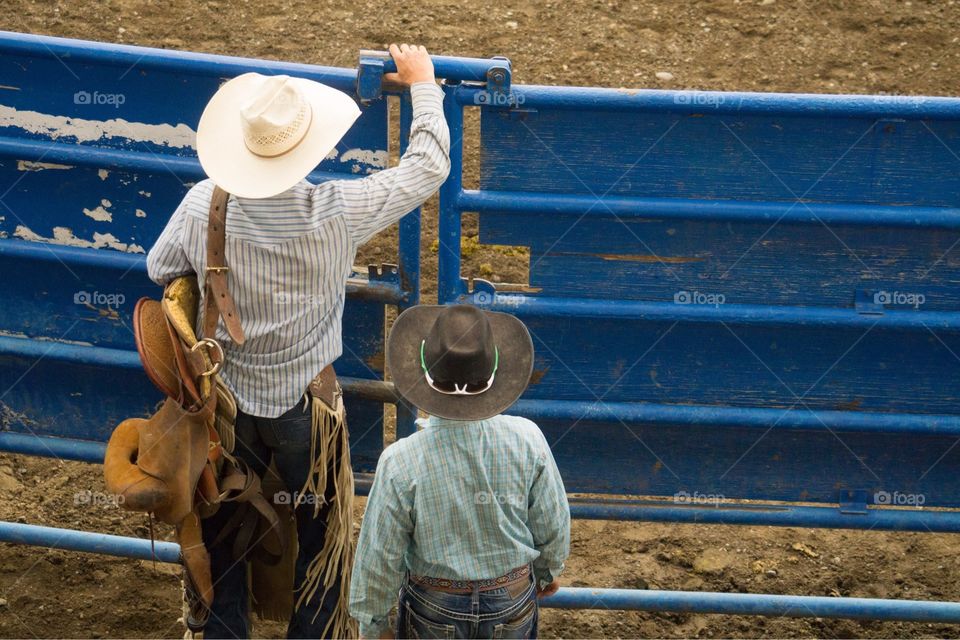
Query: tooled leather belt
x=467, y=586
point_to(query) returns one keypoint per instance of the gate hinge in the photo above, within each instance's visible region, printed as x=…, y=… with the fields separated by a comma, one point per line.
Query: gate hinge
x=854, y=501
x=370, y=75
x=869, y=302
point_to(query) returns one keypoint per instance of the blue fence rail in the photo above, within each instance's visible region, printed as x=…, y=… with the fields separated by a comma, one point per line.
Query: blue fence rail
x=715, y=287
x=748, y=296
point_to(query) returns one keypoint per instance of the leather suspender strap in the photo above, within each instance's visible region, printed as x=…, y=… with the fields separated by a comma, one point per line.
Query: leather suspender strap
x=219, y=302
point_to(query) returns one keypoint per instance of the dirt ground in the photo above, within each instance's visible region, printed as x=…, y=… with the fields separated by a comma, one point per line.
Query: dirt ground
x=905, y=48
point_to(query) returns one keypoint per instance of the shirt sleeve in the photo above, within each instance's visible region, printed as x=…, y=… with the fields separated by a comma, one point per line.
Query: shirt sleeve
x=372, y=204
x=167, y=259
x=548, y=516
x=385, y=536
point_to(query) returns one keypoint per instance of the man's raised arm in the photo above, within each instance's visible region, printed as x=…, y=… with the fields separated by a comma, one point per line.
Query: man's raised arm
x=372, y=204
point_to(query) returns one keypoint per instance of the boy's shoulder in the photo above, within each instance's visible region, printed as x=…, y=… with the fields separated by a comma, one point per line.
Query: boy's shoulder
x=401, y=452
x=523, y=428
x=405, y=449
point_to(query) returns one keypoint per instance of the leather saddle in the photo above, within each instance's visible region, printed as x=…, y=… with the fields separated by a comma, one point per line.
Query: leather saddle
x=172, y=464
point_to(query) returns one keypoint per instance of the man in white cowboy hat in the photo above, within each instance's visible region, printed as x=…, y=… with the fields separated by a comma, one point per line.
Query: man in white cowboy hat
x=468, y=517
x=289, y=241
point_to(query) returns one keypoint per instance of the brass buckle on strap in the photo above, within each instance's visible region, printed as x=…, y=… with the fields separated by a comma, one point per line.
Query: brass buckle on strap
x=218, y=361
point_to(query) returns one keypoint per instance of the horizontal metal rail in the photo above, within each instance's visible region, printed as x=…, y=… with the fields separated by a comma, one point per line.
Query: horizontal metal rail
x=709, y=210
x=523, y=305
x=368, y=389
x=186, y=167
x=726, y=512
x=167, y=60
x=92, y=451
x=359, y=288
x=768, y=515
x=752, y=604
x=449, y=67
x=89, y=541
x=82, y=51
x=762, y=418
x=694, y=102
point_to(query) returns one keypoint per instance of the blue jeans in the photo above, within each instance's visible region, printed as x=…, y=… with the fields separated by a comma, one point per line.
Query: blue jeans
x=287, y=439
x=507, y=612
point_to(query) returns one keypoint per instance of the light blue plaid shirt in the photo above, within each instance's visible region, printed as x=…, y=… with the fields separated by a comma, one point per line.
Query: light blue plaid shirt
x=459, y=500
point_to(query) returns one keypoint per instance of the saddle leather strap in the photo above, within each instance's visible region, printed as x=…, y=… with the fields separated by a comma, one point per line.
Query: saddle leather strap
x=255, y=521
x=190, y=397
x=219, y=302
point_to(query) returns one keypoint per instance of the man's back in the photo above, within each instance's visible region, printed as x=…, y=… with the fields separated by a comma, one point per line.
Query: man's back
x=290, y=255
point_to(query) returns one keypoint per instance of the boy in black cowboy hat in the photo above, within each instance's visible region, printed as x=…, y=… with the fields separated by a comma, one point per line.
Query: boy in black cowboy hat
x=468, y=515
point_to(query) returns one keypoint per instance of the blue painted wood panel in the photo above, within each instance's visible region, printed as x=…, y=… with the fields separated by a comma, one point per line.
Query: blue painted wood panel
x=722, y=156
x=97, y=148
x=562, y=146
x=690, y=463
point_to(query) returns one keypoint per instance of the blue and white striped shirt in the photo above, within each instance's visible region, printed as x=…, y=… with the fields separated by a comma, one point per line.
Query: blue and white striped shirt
x=464, y=500
x=291, y=254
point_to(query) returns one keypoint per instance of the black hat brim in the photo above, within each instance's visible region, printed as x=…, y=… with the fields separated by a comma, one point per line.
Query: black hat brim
x=513, y=370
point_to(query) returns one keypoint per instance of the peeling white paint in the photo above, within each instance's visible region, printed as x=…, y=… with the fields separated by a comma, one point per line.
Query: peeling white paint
x=55, y=127
x=373, y=157
x=19, y=334
x=9, y=416
x=141, y=213
x=64, y=236
x=29, y=165
x=145, y=194
x=103, y=173
x=100, y=214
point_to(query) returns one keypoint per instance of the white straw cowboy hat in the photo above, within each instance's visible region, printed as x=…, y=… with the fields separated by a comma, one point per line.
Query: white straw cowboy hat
x=260, y=135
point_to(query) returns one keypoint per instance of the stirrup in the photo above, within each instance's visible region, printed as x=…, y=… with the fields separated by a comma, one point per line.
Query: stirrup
x=197, y=614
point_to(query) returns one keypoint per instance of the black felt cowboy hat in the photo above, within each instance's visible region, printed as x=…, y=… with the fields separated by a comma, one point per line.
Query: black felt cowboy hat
x=459, y=362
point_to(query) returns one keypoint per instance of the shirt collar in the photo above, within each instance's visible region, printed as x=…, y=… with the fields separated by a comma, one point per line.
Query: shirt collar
x=436, y=421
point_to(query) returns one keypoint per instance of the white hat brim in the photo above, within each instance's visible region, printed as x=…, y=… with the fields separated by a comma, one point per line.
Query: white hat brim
x=234, y=168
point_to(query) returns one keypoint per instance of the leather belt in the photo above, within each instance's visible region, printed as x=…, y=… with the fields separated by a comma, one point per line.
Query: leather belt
x=219, y=302
x=467, y=586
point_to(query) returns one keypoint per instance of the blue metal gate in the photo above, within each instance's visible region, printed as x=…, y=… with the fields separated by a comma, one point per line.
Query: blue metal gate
x=744, y=305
